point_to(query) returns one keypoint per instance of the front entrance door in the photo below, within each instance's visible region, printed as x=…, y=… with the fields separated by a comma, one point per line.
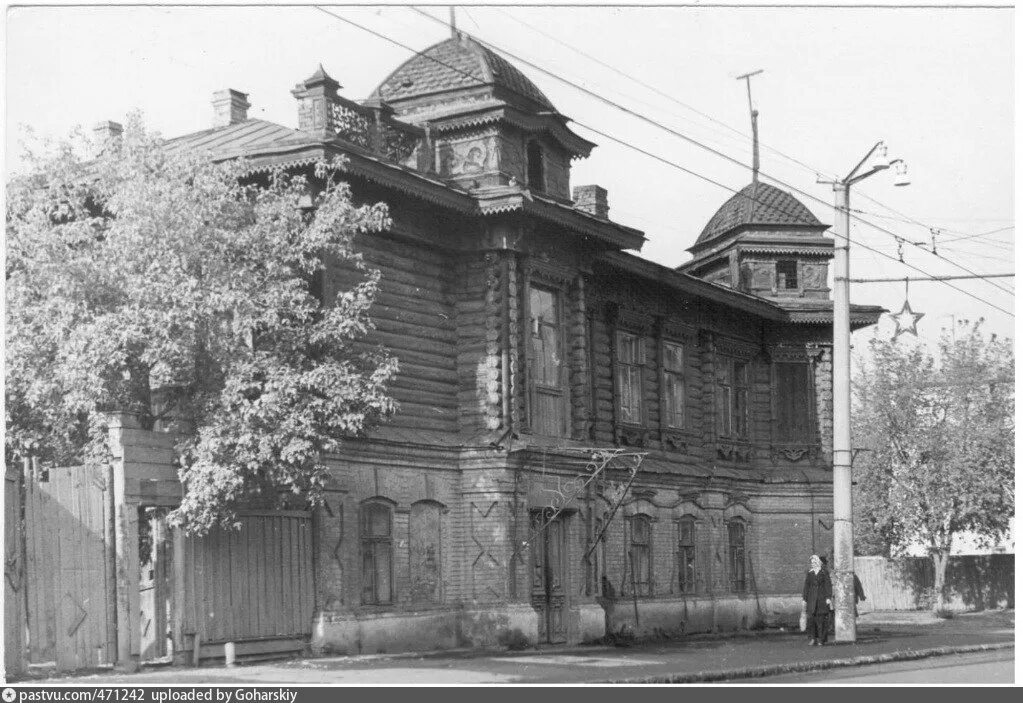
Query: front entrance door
x=548, y=583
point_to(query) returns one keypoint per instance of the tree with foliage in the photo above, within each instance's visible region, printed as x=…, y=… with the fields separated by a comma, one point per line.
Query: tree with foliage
x=940, y=434
x=149, y=271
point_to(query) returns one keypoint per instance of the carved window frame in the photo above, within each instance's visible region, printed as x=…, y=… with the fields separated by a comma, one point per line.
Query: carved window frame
x=557, y=279
x=638, y=324
x=633, y=375
x=795, y=449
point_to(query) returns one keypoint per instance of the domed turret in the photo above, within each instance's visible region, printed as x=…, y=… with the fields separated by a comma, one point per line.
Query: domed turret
x=764, y=241
x=493, y=128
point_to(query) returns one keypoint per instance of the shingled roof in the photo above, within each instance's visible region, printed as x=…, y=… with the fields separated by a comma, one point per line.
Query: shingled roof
x=457, y=63
x=770, y=206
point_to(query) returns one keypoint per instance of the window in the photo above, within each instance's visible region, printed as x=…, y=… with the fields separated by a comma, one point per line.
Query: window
x=732, y=380
x=547, y=357
x=630, y=378
x=687, y=555
x=376, y=554
x=737, y=555
x=787, y=274
x=793, y=415
x=424, y=552
x=546, y=363
x=534, y=166
x=674, y=385
x=640, y=554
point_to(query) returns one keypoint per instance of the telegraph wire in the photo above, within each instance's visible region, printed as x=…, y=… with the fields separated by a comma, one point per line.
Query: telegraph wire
x=654, y=89
x=660, y=158
x=691, y=140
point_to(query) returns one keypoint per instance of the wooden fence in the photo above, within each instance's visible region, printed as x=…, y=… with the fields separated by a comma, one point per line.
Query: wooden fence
x=971, y=582
x=252, y=586
x=95, y=576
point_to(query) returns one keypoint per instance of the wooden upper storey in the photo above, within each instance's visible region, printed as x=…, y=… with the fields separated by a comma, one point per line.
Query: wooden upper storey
x=515, y=313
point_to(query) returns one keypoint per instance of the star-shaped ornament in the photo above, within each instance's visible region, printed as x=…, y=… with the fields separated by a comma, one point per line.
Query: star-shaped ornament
x=905, y=320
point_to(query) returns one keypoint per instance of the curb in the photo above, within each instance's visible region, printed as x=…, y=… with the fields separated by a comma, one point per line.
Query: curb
x=822, y=665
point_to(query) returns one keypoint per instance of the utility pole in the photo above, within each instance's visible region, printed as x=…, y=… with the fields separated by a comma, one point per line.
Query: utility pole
x=844, y=597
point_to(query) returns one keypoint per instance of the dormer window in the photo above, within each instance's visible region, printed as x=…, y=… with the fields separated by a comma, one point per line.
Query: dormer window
x=787, y=274
x=534, y=166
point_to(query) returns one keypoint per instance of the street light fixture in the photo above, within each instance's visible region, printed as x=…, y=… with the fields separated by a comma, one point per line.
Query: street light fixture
x=844, y=598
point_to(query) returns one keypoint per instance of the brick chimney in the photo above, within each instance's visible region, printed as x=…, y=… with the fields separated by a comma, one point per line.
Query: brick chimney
x=230, y=107
x=104, y=132
x=591, y=199
x=315, y=96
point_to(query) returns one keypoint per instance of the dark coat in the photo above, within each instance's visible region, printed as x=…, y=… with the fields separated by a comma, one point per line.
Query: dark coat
x=817, y=592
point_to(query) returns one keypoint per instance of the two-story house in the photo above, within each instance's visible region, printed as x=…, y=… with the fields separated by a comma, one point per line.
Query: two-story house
x=586, y=440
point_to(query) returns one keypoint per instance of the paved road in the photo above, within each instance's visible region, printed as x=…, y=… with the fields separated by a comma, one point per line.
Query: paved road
x=983, y=667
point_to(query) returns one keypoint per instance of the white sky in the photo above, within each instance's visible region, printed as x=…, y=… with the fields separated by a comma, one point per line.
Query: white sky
x=936, y=84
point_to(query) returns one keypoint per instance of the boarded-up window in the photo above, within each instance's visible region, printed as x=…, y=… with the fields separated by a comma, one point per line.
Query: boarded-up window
x=737, y=555
x=733, y=396
x=674, y=385
x=793, y=416
x=687, y=555
x=640, y=554
x=424, y=552
x=630, y=377
x=376, y=553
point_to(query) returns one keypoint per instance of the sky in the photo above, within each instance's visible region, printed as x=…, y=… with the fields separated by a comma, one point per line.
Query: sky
x=937, y=85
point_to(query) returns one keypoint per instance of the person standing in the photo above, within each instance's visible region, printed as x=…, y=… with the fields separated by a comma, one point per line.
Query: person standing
x=817, y=599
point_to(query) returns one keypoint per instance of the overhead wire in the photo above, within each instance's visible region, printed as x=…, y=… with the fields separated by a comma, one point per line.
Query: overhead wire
x=902, y=218
x=651, y=154
x=689, y=139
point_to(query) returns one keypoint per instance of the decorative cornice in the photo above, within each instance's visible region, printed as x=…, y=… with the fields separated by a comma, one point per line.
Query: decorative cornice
x=792, y=353
x=673, y=330
x=735, y=347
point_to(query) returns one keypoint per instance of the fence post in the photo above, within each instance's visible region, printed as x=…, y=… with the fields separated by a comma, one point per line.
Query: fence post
x=126, y=551
x=14, y=577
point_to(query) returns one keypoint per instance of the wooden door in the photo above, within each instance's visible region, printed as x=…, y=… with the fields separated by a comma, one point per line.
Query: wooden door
x=548, y=582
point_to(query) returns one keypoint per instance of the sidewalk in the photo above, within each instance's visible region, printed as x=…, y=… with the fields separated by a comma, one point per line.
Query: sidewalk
x=697, y=658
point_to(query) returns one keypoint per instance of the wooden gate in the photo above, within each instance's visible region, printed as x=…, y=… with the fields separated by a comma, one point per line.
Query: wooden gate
x=252, y=586
x=69, y=568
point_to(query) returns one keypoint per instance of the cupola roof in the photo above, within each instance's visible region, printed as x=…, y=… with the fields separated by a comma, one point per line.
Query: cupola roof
x=758, y=204
x=454, y=64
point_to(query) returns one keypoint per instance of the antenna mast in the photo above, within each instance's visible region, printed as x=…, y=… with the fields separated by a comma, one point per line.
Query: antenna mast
x=753, y=118
x=454, y=27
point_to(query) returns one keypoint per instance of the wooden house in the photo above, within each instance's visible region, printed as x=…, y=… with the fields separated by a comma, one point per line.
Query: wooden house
x=587, y=442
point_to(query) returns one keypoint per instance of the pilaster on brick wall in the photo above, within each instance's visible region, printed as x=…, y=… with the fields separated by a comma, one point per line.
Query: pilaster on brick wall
x=823, y=382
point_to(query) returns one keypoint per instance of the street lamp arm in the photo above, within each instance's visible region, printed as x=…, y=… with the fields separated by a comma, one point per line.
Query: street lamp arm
x=852, y=178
